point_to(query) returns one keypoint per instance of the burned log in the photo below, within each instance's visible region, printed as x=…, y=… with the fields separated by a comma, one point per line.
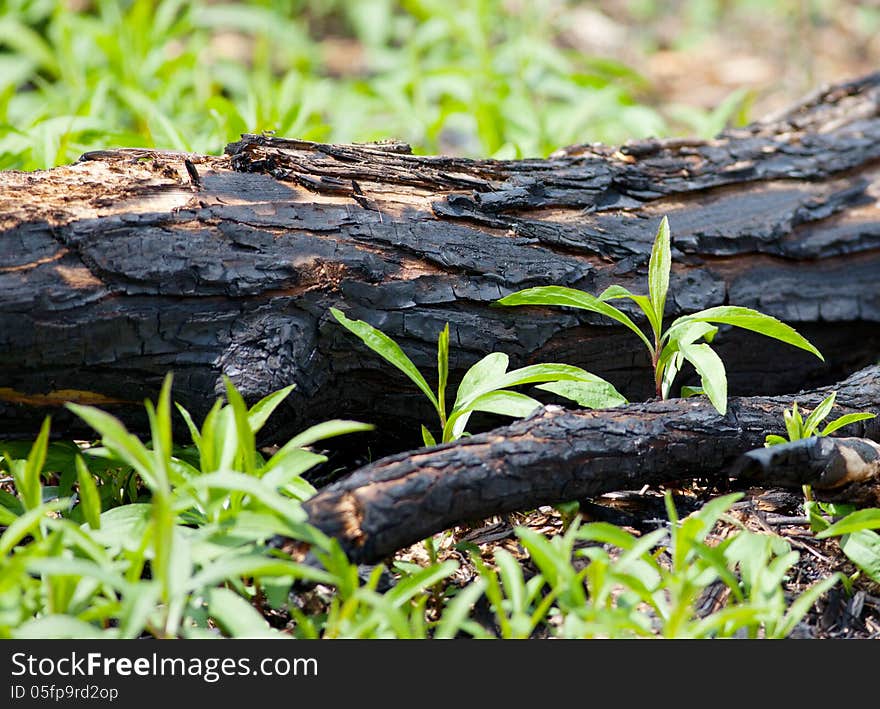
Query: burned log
x=131, y=263
x=558, y=455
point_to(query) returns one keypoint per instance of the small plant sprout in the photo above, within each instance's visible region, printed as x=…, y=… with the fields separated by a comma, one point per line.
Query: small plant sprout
x=486, y=385
x=797, y=428
x=687, y=338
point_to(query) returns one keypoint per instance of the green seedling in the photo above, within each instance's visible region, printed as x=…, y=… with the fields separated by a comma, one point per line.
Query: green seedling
x=487, y=385
x=688, y=338
x=797, y=427
x=858, y=540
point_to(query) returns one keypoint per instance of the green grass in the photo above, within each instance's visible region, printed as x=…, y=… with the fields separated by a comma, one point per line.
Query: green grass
x=192, y=557
x=133, y=539
x=455, y=76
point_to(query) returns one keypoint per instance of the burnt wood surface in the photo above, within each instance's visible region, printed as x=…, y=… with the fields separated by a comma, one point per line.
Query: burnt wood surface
x=558, y=455
x=134, y=262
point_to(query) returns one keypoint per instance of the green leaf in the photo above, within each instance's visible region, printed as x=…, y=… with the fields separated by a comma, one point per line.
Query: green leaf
x=597, y=394
x=124, y=526
x=819, y=414
x=428, y=437
x=138, y=604
x=773, y=440
x=862, y=519
x=863, y=549
x=643, y=301
x=58, y=627
x=802, y=604
x=503, y=403
x=409, y=587
x=88, y=494
x=794, y=423
x=32, y=489
x=27, y=523
x=247, y=444
x=845, y=421
x=688, y=391
x=190, y=424
x=261, y=411
x=570, y=297
x=237, y=617
x=712, y=375
x=283, y=468
x=442, y=368
x=325, y=430
x=388, y=349
x=231, y=481
x=116, y=437
x=458, y=610
x=747, y=319
x=658, y=269
x=482, y=377
x=77, y=568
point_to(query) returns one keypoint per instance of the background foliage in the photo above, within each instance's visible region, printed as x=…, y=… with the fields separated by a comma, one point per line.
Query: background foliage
x=506, y=78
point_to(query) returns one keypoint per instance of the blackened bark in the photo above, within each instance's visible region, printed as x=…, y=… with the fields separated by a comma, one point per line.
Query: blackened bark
x=559, y=455
x=131, y=263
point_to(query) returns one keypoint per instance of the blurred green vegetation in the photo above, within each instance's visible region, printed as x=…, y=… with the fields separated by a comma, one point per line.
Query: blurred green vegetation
x=467, y=77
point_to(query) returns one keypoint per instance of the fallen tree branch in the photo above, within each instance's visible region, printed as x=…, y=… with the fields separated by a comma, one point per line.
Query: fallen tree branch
x=133, y=262
x=558, y=455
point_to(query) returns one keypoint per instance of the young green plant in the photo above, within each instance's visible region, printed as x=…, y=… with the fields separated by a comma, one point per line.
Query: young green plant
x=855, y=527
x=486, y=385
x=687, y=338
x=797, y=427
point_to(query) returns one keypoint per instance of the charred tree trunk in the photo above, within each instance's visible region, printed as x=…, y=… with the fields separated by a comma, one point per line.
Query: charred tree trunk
x=131, y=263
x=557, y=455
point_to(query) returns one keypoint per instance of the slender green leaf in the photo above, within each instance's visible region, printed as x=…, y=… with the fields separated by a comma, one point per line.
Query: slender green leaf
x=591, y=395
x=237, y=617
x=862, y=519
x=819, y=414
x=190, y=424
x=482, y=377
x=802, y=604
x=747, y=319
x=643, y=301
x=117, y=438
x=793, y=423
x=31, y=493
x=283, y=468
x=260, y=412
x=503, y=403
x=88, y=495
x=247, y=444
x=569, y=297
x=457, y=611
x=658, y=269
x=712, y=375
x=512, y=580
x=58, y=627
x=27, y=523
x=324, y=430
x=230, y=480
x=234, y=567
x=845, y=421
x=406, y=589
x=442, y=369
x=428, y=437
x=388, y=349
x=863, y=549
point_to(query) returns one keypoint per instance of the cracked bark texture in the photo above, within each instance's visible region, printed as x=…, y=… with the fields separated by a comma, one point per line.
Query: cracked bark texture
x=557, y=455
x=121, y=267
